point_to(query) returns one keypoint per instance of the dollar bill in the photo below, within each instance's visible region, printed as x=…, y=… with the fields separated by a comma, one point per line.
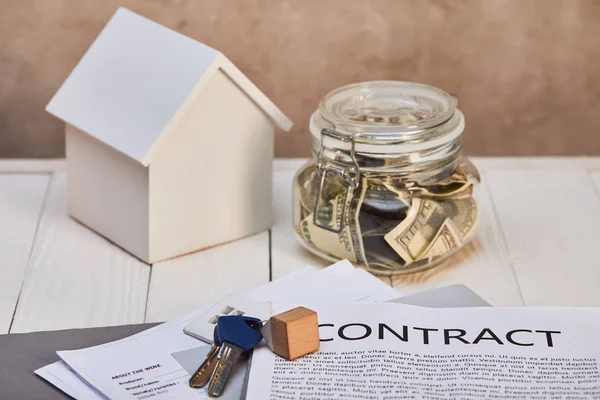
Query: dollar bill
x=446, y=241
x=385, y=189
x=448, y=222
x=457, y=185
x=463, y=215
x=347, y=244
x=379, y=261
x=412, y=236
x=307, y=189
x=354, y=224
x=307, y=185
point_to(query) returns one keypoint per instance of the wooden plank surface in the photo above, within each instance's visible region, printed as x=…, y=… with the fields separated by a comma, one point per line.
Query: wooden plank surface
x=21, y=199
x=76, y=278
x=550, y=219
x=592, y=164
x=485, y=265
x=536, y=245
x=186, y=283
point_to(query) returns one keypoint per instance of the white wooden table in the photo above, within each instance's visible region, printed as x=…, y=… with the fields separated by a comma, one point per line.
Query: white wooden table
x=538, y=243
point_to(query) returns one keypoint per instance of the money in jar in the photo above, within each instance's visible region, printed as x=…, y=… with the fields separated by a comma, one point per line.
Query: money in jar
x=387, y=187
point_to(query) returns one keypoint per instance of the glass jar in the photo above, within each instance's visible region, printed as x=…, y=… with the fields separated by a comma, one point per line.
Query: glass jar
x=386, y=187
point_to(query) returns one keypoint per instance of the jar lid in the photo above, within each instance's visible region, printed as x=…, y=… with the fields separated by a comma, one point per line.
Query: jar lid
x=389, y=113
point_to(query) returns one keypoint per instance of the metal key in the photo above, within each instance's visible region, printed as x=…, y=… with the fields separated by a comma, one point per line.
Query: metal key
x=202, y=375
x=204, y=372
x=237, y=335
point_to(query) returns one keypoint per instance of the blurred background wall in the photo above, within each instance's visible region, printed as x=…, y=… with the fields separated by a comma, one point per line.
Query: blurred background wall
x=526, y=72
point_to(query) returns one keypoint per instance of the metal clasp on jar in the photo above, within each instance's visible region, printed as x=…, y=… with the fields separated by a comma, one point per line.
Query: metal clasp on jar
x=350, y=175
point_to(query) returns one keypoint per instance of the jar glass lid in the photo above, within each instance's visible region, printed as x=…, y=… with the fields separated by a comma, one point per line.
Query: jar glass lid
x=384, y=111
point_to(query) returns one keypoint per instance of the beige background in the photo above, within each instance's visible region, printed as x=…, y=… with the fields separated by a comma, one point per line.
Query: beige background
x=526, y=72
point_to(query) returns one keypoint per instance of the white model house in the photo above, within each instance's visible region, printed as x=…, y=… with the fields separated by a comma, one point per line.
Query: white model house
x=169, y=145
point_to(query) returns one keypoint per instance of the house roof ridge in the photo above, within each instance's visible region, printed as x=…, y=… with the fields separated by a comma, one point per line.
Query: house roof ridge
x=134, y=80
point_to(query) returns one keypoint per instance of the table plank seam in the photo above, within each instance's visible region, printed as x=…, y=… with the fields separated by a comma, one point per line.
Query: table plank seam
x=505, y=246
x=148, y=291
x=593, y=182
x=33, y=242
x=270, y=255
x=503, y=243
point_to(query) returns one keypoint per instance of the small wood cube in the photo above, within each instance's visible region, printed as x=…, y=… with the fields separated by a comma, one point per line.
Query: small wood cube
x=295, y=333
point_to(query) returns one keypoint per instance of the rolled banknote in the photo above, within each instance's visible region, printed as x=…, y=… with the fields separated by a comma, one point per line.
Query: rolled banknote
x=446, y=241
x=412, y=236
x=433, y=229
x=341, y=212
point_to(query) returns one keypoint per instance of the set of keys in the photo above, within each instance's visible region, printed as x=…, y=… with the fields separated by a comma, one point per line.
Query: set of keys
x=233, y=336
x=291, y=334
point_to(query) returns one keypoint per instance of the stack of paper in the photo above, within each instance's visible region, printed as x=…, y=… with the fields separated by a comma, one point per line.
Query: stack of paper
x=143, y=365
x=368, y=351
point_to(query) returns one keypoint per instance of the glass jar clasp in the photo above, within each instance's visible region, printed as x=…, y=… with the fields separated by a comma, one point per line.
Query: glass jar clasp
x=334, y=222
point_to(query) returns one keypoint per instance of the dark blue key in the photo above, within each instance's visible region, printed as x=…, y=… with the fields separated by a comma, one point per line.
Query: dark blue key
x=234, y=335
x=243, y=332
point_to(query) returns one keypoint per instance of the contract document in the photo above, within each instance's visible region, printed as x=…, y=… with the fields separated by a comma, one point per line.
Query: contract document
x=394, y=351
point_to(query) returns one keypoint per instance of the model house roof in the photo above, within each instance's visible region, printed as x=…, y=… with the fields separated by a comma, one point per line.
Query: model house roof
x=137, y=79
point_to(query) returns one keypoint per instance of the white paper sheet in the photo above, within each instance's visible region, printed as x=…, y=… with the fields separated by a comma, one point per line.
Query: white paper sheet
x=66, y=380
x=141, y=365
x=61, y=376
x=393, y=351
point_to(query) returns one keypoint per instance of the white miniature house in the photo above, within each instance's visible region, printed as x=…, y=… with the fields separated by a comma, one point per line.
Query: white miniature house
x=169, y=145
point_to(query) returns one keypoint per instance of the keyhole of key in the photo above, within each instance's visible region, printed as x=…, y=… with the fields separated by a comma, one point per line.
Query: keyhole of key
x=253, y=325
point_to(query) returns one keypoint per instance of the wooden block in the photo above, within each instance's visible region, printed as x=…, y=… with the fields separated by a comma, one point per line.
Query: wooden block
x=295, y=333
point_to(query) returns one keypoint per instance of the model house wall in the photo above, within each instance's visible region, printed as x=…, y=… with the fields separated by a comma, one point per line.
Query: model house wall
x=210, y=182
x=108, y=191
